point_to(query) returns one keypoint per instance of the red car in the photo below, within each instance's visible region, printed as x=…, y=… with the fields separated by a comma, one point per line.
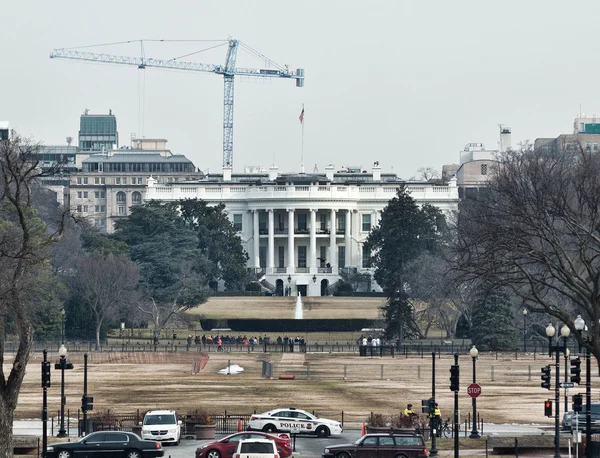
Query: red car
x=226, y=447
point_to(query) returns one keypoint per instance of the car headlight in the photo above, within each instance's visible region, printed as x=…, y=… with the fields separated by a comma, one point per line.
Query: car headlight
x=326, y=450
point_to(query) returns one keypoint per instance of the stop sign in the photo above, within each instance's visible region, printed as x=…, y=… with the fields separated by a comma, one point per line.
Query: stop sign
x=474, y=390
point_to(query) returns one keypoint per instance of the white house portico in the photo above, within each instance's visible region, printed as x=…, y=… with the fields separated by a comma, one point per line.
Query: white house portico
x=304, y=232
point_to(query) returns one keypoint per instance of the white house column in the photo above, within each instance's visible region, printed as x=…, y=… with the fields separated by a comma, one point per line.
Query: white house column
x=374, y=219
x=347, y=239
x=313, y=240
x=332, y=245
x=271, y=243
x=256, y=240
x=291, y=262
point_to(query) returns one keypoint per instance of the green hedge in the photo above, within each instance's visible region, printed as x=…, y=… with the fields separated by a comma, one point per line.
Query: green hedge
x=289, y=325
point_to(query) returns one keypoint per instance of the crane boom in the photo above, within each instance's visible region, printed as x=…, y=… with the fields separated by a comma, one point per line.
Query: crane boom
x=229, y=71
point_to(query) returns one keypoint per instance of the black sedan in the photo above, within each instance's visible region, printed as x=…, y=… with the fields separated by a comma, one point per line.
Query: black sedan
x=106, y=444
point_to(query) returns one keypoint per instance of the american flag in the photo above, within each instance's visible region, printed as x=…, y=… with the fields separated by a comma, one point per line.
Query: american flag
x=301, y=117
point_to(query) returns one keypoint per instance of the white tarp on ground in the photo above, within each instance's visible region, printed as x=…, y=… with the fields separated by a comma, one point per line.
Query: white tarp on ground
x=232, y=369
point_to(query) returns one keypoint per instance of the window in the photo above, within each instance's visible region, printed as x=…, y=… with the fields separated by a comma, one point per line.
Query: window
x=85, y=209
x=121, y=197
x=262, y=223
x=588, y=147
x=118, y=180
x=79, y=208
x=136, y=197
x=97, y=180
x=121, y=210
x=302, y=255
x=97, y=208
x=386, y=441
x=78, y=180
x=79, y=194
x=116, y=437
x=102, y=208
x=342, y=256
x=323, y=256
x=281, y=256
x=262, y=256
x=102, y=180
x=484, y=169
x=99, y=195
x=366, y=223
x=595, y=147
x=139, y=180
x=85, y=180
x=365, y=258
x=370, y=441
x=341, y=223
x=302, y=224
x=323, y=221
x=85, y=194
x=237, y=222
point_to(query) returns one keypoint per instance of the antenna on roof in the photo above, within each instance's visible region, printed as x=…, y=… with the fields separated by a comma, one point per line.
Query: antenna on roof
x=316, y=169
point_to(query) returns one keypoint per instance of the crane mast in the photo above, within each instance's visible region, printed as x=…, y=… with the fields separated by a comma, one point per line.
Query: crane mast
x=229, y=71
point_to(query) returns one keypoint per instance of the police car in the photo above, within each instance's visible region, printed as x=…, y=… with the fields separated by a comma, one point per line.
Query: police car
x=293, y=420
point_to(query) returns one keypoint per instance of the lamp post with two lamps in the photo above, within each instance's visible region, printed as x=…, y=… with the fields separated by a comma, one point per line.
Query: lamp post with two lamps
x=580, y=327
x=63, y=365
x=474, y=353
x=564, y=333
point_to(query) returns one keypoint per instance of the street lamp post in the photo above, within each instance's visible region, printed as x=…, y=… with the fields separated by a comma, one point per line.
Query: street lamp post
x=567, y=354
x=474, y=433
x=524, y=329
x=564, y=332
x=62, y=352
x=62, y=326
x=580, y=327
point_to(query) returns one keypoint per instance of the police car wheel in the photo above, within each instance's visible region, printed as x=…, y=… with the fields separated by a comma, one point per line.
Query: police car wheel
x=322, y=431
x=269, y=428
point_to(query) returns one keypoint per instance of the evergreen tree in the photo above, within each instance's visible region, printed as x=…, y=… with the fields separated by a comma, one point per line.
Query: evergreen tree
x=405, y=231
x=493, y=322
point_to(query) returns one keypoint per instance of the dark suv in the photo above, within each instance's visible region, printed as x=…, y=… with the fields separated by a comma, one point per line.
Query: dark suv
x=381, y=446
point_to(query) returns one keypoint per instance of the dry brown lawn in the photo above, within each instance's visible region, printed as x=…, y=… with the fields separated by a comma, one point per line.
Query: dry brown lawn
x=325, y=383
x=273, y=307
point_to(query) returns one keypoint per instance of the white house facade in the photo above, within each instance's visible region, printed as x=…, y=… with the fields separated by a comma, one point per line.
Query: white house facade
x=304, y=232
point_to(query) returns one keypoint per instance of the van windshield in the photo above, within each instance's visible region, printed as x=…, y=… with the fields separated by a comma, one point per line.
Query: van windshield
x=168, y=419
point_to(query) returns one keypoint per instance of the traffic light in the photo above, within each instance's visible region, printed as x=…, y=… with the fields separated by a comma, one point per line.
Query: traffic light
x=425, y=405
x=87, y=403
x=577, y=403
x=45, y=374
x=548, y=408
x=576, y=371
x=546, y=377
x=431, y=406
x=454, y=372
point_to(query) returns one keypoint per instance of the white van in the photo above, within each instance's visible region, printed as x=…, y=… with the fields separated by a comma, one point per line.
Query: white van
x=162, y=426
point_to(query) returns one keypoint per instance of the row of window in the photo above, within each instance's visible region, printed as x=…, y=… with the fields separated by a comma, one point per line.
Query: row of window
x=302, y=220
x=302, y=256
x=91, y=208
x=108, y=167
x=118, y=180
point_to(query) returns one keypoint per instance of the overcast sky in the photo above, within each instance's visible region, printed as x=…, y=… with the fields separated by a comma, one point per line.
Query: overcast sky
x=405, y=83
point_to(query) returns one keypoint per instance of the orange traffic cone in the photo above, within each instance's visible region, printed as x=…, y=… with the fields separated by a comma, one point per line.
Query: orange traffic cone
x=240, y=426
x=364, y=429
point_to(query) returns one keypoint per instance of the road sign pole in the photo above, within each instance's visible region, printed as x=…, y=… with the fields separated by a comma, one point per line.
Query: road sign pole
x=474, y=432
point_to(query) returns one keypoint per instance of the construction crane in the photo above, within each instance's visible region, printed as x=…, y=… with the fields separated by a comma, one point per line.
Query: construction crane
x=229, y=71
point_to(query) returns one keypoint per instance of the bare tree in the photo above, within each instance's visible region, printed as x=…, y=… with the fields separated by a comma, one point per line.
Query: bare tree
x=24, y=252
x=104, y=284
x=536, y=230
x=428, y=173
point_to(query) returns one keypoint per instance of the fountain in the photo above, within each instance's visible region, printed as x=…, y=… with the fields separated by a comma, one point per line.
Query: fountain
x=298, y=314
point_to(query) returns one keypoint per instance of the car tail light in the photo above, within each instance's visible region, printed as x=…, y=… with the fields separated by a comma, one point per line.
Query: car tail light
x=253, y=418
x=237, y=455
x=425, y=451
x=276, y=455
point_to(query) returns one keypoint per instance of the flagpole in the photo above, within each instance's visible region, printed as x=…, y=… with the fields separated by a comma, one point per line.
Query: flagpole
x=302, y=152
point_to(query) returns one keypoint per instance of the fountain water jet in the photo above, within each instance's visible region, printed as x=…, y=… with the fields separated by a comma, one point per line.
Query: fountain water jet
x=299, y=312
